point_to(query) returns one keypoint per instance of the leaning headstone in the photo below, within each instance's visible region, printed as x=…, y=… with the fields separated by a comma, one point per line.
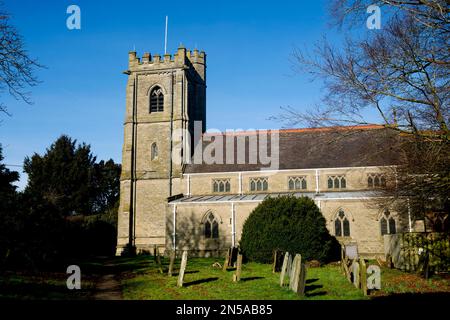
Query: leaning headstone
x=284, y=269
x=182, y=269
x=237, y=275
x=296, y=270
x=363, y=272
x=355, y=272
x=172, y=262
x=289, y=266
x=302, y=280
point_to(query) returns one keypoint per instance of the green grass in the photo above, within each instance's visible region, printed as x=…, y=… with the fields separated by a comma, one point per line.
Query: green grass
x=41, y=286
x=202, y=281
x=141, y=279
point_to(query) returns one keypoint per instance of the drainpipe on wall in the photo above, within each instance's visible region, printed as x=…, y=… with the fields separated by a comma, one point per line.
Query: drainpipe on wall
x=171, y=133
x=233, y=226
x=240, y=183
x=317, y=181
x=409, y=216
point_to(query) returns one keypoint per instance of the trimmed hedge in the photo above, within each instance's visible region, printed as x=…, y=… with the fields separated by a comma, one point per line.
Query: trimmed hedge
x=289, y=224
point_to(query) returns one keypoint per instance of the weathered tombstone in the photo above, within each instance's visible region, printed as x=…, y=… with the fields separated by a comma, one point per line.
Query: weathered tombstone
x=227, y=260
x=302, y=280
x=351, y=251
x=237, y=275
x=355, y=272
x=172, y=262
x=289, y=266
x=374, y=278
x=284, y=268
x=363, y=272
x=182, y=269
x=233, y=257
x=296, y=270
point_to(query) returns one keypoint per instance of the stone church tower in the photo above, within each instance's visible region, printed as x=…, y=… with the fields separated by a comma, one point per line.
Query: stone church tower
x=163, y=95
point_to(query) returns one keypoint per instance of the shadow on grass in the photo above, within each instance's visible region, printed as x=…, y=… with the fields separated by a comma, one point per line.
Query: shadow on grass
x=308, y=281
x=251, y=278
x=192, y=283
x=309, y=289
x=186, y=272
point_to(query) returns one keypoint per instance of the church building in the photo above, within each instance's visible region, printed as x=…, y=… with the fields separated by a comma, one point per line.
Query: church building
x=184, y=188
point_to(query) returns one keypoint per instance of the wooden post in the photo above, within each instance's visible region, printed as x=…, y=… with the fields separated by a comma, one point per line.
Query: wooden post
x=182, y=269
x=237, y=275
x=363, y=277
x=172, y=262
x=284, y=268
x=274, y=264
x=227, y=260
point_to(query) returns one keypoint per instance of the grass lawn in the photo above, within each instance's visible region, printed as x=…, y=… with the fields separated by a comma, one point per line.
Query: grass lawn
x=202, y=281
x=141, y=279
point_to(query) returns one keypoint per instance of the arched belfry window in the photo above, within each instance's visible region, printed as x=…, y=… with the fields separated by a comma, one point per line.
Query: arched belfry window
x=154, y=151
x=387, y=224
x=341, y=225
x=211, y=227
x=156, y=100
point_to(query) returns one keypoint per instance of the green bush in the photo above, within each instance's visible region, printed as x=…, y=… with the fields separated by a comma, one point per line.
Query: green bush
x=288, y=224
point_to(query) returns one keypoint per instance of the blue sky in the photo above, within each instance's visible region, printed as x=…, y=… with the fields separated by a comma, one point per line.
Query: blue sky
x=82, y=94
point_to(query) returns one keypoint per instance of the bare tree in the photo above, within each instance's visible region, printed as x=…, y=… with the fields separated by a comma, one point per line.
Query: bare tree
x=401, y=72
x=16, y=66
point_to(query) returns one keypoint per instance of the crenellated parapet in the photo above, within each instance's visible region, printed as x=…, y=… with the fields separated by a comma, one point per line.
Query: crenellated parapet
x=182, y=58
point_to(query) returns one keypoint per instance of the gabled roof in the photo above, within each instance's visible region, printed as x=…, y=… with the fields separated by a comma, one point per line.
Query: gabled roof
x=356, y=146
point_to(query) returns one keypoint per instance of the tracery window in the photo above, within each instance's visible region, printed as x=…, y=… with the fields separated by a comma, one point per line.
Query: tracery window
x=156, y=100
x=211, y=230
x=387, y=223
x=375, y=180
x=297, y=183
x=221, y=185
x=259, y=184
x=341, y=225
x=337, y=182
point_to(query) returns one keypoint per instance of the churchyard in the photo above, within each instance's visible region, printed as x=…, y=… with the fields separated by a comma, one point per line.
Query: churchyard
x=144, y=277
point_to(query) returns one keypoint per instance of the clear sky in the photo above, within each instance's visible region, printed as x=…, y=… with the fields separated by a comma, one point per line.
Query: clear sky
x=82, y=94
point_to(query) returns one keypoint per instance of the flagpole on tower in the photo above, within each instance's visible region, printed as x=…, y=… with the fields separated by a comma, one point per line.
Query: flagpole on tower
x=165, y=36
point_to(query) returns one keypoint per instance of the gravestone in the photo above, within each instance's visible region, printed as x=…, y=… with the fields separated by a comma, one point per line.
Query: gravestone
x=284, y=268
x=374, y=278
x=182, y=269
x=289, y=266
x=363, y=269
x=302, y=280
x=356, y=273
x=296, y=270
x=277, y=261
x=172, y=262
x=351, y=251
x=237, y=275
